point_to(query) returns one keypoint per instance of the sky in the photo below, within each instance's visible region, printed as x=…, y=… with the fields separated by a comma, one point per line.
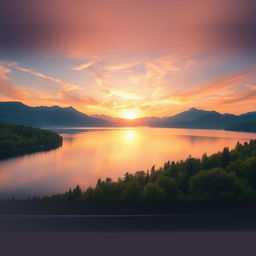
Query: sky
x=129, y=58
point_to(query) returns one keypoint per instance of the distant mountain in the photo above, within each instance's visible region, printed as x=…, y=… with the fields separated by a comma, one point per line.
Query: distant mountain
x=105, y=117
x=243, y=127
x=189, y=115
x=18, y=113
x=202, y=119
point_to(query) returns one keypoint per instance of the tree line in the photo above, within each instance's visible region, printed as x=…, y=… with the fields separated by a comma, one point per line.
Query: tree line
x=226, y=175
x=17, y=140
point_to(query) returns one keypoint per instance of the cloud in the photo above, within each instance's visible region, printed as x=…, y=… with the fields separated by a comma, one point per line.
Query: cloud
x=161, y=102
x=78, y=100
x=41, y=75
x=4, y=71
x=124, y=94
x=63, y=94
x=233, y=92
x=239, y=78
x=158, y=69
x=11, y=92
x=149, y=85
x=104, y=71
x=238, y=98
x=121, y=66
x=7, y=90
x=65, y=88
x=32, y=72
x=86, y=65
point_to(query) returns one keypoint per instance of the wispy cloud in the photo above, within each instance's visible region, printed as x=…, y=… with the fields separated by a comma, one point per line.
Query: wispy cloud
x=158, y=86
x=238, y=98
x=4, y=71
x=65, y=87
x=41, y=75
x=239, y=78
x=11, y=92
x=86, y=65
x=8, y=90
x=222, y=93
x=103, y=71
x=120, y=66
x=161, y=102
x=124, y=94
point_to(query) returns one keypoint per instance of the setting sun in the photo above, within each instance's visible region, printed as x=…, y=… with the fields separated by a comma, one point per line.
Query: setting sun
x=130, y=115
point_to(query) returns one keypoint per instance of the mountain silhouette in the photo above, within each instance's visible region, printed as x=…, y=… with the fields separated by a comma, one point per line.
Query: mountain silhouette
x=55, y=116
x=202, y=119
x=19, y=113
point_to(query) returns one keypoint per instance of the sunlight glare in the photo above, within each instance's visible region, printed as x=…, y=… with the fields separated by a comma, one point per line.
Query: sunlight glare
x=130, y=115
x=130, y=136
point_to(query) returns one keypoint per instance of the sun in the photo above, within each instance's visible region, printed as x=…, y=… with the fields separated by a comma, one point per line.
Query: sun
x=129, y=115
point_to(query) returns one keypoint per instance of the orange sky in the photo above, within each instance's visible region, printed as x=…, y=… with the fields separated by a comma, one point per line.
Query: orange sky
x=130, y=58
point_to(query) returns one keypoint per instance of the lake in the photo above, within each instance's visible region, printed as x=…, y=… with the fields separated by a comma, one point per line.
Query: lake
x=91, y=153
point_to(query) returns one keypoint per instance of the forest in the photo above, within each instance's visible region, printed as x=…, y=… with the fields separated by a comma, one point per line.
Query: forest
x=18, y=140
x=226, y=175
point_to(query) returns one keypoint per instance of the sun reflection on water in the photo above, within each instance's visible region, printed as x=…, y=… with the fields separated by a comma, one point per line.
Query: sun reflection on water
x=130, y=136
x=100, y=153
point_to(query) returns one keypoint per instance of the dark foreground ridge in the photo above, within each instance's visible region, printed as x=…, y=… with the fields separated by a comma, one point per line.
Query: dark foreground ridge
x=16, y=140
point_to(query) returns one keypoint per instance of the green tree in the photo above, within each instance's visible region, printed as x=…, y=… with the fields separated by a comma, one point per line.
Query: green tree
x=152, y=192
x=153, y=173
x=215, y=184
x=140, y=177
x=225, y=157
x=77, y=192
x=127, y=177
x=249, y=170
x=132, y=192
x=170, y=187
x=89, y=194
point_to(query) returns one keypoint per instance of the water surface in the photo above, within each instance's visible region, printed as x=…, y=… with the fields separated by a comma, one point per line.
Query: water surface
x=89, y=154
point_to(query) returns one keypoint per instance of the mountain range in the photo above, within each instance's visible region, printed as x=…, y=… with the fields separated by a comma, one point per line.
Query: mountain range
x=19, y=113
x=202, y=119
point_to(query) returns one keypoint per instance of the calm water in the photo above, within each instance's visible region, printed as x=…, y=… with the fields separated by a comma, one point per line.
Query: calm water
x=89, y=154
